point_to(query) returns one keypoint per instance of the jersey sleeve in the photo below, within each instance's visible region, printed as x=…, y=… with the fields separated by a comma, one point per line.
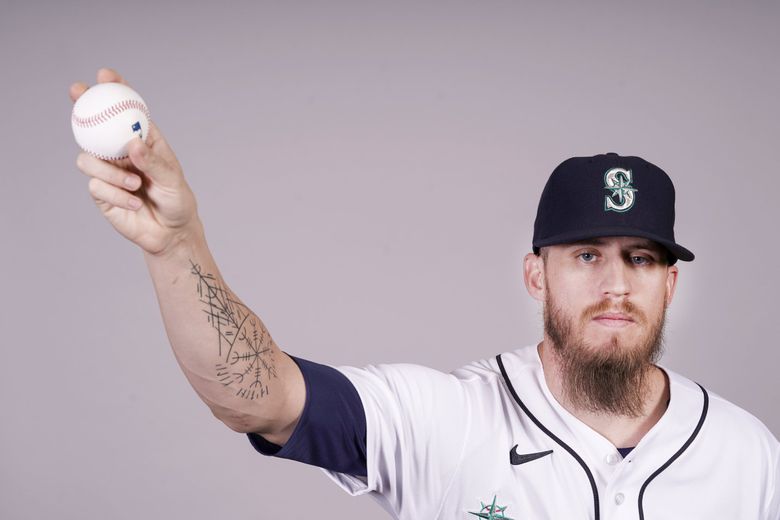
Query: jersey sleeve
x=417, y=422
x=331, y=432
x=774, y=488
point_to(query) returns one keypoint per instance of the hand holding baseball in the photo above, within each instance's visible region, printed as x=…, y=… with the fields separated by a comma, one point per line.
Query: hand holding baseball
x=144, y=196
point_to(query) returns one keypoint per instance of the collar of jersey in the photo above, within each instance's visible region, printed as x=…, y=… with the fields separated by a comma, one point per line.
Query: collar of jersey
x=524, y=368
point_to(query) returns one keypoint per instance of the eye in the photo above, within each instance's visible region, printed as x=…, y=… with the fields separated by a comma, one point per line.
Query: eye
x=641, y=260
x=587, y=257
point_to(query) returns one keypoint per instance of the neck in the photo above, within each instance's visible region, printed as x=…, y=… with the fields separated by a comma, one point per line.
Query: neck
x=621, y=430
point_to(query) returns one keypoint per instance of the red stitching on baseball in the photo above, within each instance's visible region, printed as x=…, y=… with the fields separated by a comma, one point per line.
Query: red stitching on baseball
x=108, y=113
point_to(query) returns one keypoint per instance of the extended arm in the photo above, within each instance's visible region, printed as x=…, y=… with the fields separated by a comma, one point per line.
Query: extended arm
x=223, y=348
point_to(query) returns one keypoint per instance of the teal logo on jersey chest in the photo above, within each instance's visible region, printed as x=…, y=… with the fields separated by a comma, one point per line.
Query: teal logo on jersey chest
x=491, y=511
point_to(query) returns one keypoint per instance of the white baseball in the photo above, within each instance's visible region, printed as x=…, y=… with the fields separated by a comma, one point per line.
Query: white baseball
x=106, y=117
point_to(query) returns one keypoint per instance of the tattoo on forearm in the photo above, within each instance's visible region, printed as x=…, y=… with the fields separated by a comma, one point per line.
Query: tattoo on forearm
x=246, y=356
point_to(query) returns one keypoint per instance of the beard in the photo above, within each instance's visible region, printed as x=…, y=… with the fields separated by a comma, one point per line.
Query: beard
x=609, y=378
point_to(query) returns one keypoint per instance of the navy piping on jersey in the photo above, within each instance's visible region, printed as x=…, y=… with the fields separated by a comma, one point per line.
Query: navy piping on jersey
x=676, y=455
x=553, y=437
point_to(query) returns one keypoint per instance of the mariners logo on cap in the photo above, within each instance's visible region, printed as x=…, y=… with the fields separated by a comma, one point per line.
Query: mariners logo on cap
x=618, y=182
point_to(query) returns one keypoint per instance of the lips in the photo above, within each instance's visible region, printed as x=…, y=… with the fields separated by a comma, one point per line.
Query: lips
x=614, y=319
x=613, y=316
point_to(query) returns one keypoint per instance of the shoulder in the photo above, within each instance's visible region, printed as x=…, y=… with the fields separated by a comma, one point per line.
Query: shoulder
x=725, y=420
x=741, y=440
x=398, y=377
x=405, y=381
x=741, y=425
x=405, y=389
x=524, y=359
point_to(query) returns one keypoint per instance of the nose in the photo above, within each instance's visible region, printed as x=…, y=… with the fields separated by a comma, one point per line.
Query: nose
x=616, y=280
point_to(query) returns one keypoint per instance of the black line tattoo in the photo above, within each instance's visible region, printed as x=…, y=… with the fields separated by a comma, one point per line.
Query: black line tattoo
x=246, y=356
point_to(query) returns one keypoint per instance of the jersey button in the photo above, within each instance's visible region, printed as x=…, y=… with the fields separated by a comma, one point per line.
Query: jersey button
x=612, y=459
x=619, y=498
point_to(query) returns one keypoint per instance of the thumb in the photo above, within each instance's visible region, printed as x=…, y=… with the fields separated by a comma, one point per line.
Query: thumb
x=150, y=160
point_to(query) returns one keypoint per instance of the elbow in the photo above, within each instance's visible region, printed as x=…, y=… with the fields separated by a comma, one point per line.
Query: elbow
x=238, y=422
x=239, y=427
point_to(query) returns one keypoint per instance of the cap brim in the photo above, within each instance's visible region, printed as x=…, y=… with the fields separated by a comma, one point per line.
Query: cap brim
x=677, y=251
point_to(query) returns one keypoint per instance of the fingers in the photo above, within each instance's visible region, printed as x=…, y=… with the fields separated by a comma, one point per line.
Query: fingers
x=101, y=191
x=107, y=172
x=76, y=90
x=155, y=135
x=153, y=158
x=158, y=161
x=106, y=75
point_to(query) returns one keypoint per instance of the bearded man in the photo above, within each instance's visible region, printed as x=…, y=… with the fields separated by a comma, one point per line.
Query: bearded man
x=584, y=424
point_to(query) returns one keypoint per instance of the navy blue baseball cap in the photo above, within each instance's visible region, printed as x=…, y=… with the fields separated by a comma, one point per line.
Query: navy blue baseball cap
x=608, y=195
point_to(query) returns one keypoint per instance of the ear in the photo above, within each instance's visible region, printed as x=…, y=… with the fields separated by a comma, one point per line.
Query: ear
x=533, y=274
x=671, y=283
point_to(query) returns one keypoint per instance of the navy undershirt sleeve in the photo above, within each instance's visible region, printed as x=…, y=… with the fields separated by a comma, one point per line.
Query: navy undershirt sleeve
x=331, y=432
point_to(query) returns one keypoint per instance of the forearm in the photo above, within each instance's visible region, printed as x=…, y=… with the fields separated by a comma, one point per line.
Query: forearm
x=222, y=347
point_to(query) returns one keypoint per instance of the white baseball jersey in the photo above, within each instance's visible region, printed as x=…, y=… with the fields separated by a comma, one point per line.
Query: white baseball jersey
x=490, y=441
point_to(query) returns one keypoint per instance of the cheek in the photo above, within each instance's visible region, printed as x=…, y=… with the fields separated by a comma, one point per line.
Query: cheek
x=568, y=285
x=571, y=299
x=654, y=305
x=659, y=295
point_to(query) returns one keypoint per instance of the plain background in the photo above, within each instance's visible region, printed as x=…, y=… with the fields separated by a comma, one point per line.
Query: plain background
x=368, y=174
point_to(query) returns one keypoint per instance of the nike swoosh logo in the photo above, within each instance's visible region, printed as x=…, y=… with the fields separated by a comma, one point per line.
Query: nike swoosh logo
x=516, y=459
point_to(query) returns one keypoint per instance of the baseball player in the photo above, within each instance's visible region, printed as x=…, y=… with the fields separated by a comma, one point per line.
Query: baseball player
x=584, y=424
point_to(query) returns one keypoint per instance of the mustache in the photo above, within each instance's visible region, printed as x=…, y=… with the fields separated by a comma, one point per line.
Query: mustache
x=624, y=307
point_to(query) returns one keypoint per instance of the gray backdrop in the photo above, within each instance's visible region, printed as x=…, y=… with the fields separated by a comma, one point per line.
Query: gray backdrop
x=368, y=174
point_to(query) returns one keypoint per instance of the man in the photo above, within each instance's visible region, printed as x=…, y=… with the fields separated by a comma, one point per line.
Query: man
x=583, y=425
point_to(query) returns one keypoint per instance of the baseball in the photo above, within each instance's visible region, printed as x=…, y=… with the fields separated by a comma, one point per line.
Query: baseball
x=106, y=117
